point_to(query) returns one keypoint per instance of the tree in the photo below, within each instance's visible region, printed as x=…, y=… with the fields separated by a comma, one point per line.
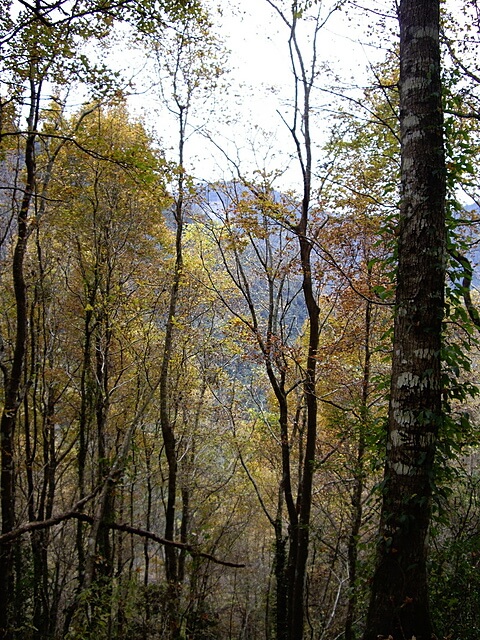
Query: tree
x=399, y=602
x=105, y=199
x=42, y=44
x=27, y=39
x=85, y=323
x=260, y=258
x=305, y=73
x=186, y=70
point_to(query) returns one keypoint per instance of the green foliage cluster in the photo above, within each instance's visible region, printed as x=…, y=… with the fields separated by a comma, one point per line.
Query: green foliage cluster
x=454, y=557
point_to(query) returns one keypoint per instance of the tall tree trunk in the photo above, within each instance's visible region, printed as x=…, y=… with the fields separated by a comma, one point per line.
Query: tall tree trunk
x=313, y=312
x=166, y=422
x=359, y=477
x=304, y=499
x=102, y=406
x=148, y=519
x=399, y=602
x=13, y=377
x=280, y=566
x=86, y=403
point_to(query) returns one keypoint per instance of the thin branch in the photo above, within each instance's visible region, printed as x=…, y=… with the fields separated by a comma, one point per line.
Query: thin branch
x=466, y=286
x=321, y=249
x=255, y=486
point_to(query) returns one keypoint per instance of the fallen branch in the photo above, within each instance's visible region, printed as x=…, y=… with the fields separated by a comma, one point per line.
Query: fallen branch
x=77, y=515
x=45, y=524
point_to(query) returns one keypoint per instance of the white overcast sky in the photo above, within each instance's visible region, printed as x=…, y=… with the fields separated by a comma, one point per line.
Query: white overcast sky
x=260, y=82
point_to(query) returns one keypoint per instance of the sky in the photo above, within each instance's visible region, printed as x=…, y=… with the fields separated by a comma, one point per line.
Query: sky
x=260, y=61
x=247, y=119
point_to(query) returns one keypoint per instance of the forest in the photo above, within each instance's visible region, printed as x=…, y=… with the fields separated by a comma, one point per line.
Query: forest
x=239, y=402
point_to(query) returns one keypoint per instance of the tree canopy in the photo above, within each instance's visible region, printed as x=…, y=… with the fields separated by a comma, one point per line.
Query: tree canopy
x=238, y=350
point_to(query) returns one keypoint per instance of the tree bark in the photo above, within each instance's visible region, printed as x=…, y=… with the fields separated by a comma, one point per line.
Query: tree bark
x=399, y=603
x=166, y=421
x=304, y=499
x=359, y=477
x=13, y=379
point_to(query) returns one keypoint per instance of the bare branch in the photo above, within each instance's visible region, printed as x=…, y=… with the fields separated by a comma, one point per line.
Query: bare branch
x=77, y=515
